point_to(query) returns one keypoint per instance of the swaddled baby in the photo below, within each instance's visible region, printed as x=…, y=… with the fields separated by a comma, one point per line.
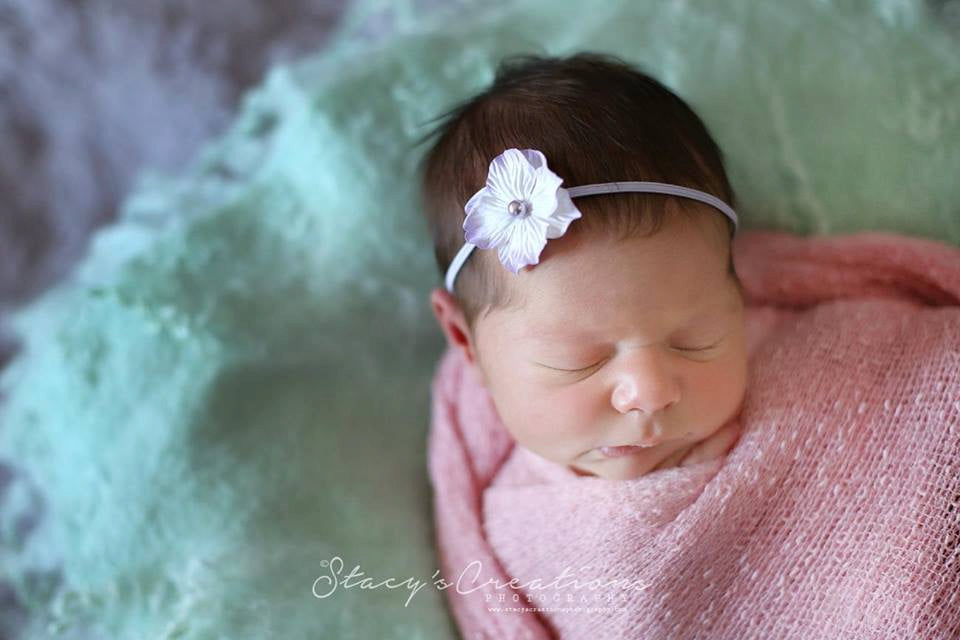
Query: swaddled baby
x=597, y=328
x=606, y=323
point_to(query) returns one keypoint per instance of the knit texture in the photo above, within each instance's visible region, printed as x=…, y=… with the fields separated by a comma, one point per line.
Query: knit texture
x=835, y=515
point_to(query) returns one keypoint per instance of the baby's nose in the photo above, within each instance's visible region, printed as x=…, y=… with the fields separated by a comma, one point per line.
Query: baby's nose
x=645, y=386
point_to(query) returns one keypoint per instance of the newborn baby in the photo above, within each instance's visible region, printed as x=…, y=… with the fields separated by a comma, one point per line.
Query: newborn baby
x=582, y=219
x=619, y=347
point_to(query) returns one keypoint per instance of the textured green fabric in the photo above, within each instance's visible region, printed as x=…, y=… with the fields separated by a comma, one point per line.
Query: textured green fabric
x=232, y=387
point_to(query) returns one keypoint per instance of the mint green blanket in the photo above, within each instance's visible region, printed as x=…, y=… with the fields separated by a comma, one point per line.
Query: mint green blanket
x=232, y=388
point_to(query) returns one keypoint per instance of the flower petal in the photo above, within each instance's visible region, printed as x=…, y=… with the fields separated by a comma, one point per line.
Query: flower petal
x=544, y=196
x=543, y=203
x=510, y=176
x=565, y=213
x=526, y=242
x=547, y=181
x=488, y=223
x=535, y=158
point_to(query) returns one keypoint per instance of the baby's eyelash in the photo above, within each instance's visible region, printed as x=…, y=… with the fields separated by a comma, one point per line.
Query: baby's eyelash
x=699, y=348
x=571, y=370
x=591, y=366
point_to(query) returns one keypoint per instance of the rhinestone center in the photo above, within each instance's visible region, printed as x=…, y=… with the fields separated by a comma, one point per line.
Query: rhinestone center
x=519, y=208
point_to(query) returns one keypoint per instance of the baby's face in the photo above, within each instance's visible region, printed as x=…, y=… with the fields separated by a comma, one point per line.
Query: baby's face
x=636, y=342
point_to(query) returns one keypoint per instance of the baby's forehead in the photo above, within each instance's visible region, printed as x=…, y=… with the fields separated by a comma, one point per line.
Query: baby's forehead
x=569, y=325
x=641, y=291
x=599, y=281
x=563, y=324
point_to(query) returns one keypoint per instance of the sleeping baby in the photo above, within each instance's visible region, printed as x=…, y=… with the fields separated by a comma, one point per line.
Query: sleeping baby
x=604, y=462
x=608, y=331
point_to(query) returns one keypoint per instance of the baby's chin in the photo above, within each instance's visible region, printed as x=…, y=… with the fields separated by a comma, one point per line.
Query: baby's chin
x=633, y=465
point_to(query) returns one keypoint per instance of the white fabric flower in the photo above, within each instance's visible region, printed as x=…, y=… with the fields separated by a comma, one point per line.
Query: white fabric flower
x=521, y=206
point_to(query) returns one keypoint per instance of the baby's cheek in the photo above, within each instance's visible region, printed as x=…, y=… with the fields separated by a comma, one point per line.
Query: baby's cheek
x=719, y=386
x=576, y=415
x=521, y=411
x=553, y=421
x=712, y=382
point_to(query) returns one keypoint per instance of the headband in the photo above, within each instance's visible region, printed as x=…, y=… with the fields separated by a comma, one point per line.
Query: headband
x=522, y=205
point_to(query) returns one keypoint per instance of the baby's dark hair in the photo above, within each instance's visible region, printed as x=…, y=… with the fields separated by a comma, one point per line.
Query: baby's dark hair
x=597, y=119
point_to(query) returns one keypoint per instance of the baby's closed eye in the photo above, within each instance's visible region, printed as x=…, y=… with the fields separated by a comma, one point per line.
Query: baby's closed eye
x=597, y=363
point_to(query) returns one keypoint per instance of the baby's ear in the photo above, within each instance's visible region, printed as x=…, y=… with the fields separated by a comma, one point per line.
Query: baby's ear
x=453, y=323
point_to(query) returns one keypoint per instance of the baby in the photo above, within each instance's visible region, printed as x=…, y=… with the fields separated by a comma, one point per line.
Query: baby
x=609, y=332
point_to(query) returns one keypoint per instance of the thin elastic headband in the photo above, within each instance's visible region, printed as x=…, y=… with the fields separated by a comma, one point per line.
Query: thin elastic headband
x=518, y=184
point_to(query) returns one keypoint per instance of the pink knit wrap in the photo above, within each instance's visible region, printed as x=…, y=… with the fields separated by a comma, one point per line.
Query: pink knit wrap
x=836, y=514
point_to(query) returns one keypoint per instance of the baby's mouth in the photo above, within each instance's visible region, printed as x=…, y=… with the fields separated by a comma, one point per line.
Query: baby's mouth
x=619, y=452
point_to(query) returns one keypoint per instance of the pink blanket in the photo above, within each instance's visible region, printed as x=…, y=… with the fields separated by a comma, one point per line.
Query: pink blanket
x=836, y=514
